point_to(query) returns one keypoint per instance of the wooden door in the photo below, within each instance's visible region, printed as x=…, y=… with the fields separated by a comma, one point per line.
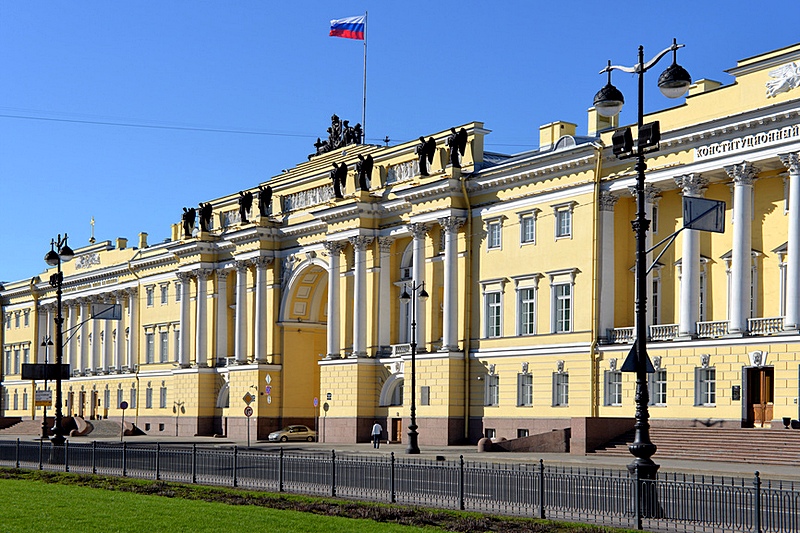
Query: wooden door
x=93, y=406
x=760, y=396
x=81, y=403
x=397, y=430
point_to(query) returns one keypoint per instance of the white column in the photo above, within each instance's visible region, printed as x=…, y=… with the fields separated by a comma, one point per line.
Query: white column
x=133, y=327
x=240, y=340
x=385, y=293
x=221, y=326
x=260, y=333
x=119, y=337
x=95, y=359
x=183, y=335
x=334, y=347
x=792, y=319
x=742, y=175
x=360, y=245
x=108, y=339
x=85, y=362
x=450, y=226
x=692, y=186
x=419, y=231
x=606, y=274
x=45, y=330
x=201, y=326
x=72, y=345
x=651, y=196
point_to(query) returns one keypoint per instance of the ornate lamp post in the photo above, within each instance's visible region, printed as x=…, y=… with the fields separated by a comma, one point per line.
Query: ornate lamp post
x=59, y=252
x=47, y=342
x=413, y=436
x=673, y=82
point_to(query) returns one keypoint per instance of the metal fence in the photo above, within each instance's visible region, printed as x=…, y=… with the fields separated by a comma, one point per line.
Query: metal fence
x=672, y=502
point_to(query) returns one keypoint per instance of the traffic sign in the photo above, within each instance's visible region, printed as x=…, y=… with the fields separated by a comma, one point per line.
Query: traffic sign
x=248, y=398
x=43, y=398
x=268, y=389
x=268, y=379
x=248, y=411
x=316, y=401
x=123, y=405
x=269, y=399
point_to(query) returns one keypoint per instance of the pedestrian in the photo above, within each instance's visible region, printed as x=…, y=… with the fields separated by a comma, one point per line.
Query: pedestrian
x=377, y=429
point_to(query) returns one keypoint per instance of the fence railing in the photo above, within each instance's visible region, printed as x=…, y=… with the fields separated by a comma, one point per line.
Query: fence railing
x=608, y=497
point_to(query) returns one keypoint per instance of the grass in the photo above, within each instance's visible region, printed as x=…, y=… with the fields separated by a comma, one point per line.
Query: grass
x=35, y=500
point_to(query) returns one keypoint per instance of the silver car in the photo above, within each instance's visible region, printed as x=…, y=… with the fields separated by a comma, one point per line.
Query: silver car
x=293, y=433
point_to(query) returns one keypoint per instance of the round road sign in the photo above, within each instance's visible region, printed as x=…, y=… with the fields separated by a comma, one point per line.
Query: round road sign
x=316, y=402
x=123, y=405
x=248, y=411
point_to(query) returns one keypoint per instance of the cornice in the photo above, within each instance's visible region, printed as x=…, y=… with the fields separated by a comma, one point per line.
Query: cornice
x=502, y=178
x=305, y=228
x=428, y=191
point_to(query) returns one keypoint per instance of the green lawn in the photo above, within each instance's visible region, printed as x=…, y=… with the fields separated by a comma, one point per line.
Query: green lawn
x=36, y=506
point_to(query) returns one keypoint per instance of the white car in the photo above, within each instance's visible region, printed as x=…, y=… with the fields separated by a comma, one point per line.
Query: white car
x=293, y=433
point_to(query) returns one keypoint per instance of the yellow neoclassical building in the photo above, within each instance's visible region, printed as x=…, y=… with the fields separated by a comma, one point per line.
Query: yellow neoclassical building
x=291, y=291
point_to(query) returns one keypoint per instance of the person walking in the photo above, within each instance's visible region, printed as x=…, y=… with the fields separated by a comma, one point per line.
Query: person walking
x=377, y=429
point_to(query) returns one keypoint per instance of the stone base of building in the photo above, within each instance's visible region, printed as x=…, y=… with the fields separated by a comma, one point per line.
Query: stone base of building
x=431, y=431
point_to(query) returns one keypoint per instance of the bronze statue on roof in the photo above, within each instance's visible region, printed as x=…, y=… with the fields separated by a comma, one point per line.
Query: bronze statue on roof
x=264, y=200
x=425, y=151
x=457, y=142
x=364, y=171
x=340, y=134
x=245, y=204
x=205, y=216
x=188, y=218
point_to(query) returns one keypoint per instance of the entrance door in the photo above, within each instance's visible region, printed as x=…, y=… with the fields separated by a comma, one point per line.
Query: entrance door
x=760, y=396
x=397, y=430
x=93, y=406
x=81, y=403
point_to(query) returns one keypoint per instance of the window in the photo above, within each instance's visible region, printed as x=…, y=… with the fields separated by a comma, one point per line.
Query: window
x=705, y=386
x=563, y=220
x=613, y=387
x=560, y=389
x=162, y=397
x=525, y=390
x=26, y=318
x=26, y=354
x=492, y=390
x=163, y=343
x=177, y=343
x=522, y=433
x=425, y=395
x=16, y=360
x=397, y=395
x=24, y=400
x=562, y=293
x=120, y=397
x=656, y=300
x=527, y=227
x=8, y=320
x=527, y=308
x=148, y=398
x=654, y=225
x=178, y=291
x=150, y=348
x=107, y=399
x=493, y=314
x=150, y=292
x=494, y=235
x=133, y=399
x=16, y=319
x=7, y=366
x=702, y=295
x=164, y=294
x=16, y=400
x=490, y=433
x=658, y=387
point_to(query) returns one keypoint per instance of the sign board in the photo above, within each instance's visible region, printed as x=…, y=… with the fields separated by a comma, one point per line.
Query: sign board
x=268, y=379
x=44, y=371
x=248, y=411
x=43, y=398
x=325, y=407
x=248, y=398
x=329, y=396
x=268, y=389
x=736, y=393
x=703, y=214
x=107, y=311
x=316, y=402
x=269, y=399
x=630, y=362
x=123, y=405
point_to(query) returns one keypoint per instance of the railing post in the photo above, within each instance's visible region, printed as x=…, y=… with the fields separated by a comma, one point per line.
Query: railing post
x=393, y=497
x=541, y=489
x=41, y=451
x=124, y=459
x=280, y=471
x=16, y=455
x=637, y=498
x=158, y=461
x=461, y=482
x=194, y=463
x=66, y=455
x=333, y=472
x=757, y=502
x=94, y=458
x=235, y=464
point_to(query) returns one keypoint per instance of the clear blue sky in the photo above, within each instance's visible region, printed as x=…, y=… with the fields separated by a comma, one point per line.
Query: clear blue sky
x=73, y=72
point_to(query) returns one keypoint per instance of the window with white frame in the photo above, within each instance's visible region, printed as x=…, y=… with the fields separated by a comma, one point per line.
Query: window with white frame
x=425, y=395
x=120, y=397
x=132, y=403
x=163, y=343
x=613, y=393
x=164, y=294
x=26, y=354
x=148, y=397
x=494, y=234
x=490, y=433
x=107, y=398
x=702, y=296
x=561, y=303
x=527, y=310
x=24, y=399
x=563, y=220
x=527, y=226
x=655, y=305
x=150, y=293
x=16, y=320
x=492, y=390
x=705, y=386
x=7, y=366
x=177, y=344
x=525, y=389
x=162, y=397
x=178, y=291
x=16, y=360
x=26, y=318
x=493, y=314
x=149, y=347
x=654, y=222
x=560, y=389
x=521, y=433
x=658, y=387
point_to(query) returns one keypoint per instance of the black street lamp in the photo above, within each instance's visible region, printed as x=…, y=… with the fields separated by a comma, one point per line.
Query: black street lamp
x=47, y=342
x=674, y=82
x=413, y=436
x=59, y=253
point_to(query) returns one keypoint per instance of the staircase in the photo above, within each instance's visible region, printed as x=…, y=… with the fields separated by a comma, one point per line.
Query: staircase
x=758, y=446
x=27, y=427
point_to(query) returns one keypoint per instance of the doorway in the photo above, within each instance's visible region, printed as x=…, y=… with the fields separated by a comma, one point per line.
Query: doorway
x=760, y=396
x=93, y=406
x=81, y=403
x=397, y=430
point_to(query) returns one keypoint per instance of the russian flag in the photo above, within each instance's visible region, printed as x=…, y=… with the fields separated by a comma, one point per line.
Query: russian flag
x=349, y=28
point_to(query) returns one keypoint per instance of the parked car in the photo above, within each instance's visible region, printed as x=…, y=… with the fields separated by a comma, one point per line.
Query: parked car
x=293, y=433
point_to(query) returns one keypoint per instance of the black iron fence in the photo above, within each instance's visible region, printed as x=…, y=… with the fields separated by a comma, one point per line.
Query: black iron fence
x=672, y=502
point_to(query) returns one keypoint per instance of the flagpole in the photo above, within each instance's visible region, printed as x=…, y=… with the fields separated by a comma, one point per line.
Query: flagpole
x=364, y=103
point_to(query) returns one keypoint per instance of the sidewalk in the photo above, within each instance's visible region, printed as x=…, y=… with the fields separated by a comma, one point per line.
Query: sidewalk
x=470, y=453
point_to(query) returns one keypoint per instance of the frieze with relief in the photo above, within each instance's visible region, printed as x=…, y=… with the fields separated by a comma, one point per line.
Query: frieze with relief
x=86, y=261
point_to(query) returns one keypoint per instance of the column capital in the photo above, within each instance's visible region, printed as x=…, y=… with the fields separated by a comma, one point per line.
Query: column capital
x=241, y=266
x=361, y=242
x=333, y=247
x=203, y=273
x=385, y=244
x=607, y=201
x=261, y=262
x=451, y=223
x=183, y=277
x=418, y=229
x=651, y=192
x=693, y=184
x=743, y=173
x=791, y=161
